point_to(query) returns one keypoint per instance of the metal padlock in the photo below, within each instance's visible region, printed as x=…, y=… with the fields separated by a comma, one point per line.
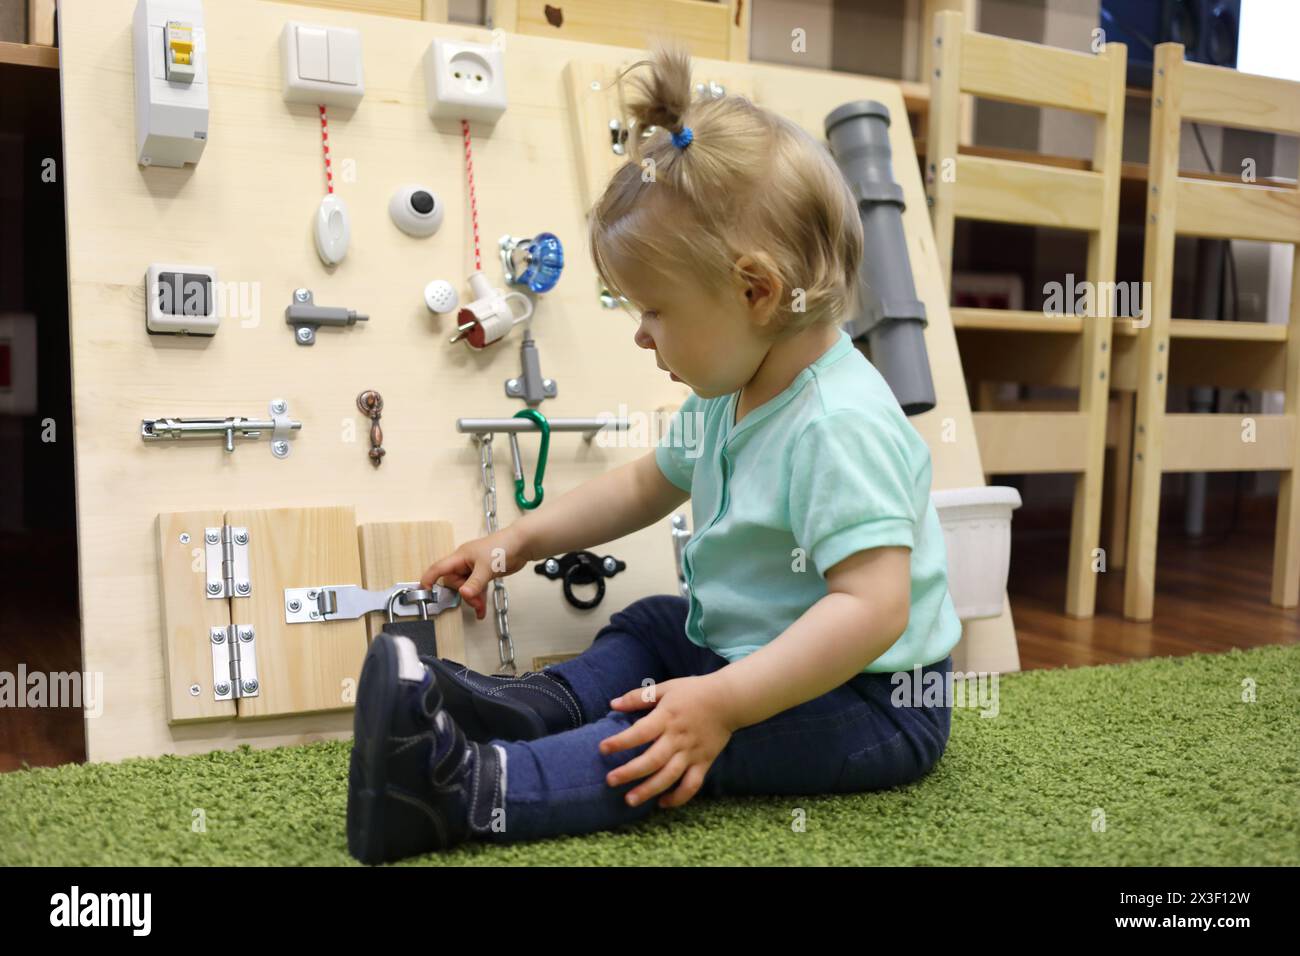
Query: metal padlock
x=422, y=597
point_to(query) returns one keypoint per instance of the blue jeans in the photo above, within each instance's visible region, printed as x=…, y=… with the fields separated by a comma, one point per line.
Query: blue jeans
x=849, y=739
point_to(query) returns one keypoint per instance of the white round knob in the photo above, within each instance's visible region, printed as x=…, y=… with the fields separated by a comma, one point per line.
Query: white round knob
x=440, y=296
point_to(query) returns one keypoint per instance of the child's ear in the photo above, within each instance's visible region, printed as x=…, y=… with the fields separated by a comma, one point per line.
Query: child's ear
x=759, y=284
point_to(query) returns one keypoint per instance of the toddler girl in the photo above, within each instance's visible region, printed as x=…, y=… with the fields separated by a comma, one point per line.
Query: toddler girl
x=817, y=569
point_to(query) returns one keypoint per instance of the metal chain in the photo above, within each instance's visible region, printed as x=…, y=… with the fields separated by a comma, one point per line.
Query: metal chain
x=500, y=599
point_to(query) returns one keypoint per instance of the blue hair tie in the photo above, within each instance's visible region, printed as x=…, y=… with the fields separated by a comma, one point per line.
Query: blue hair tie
x=683, y=139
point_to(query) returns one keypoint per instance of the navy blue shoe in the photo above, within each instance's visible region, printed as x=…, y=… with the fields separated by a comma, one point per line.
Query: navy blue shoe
x=415, y=783
x=526, y=707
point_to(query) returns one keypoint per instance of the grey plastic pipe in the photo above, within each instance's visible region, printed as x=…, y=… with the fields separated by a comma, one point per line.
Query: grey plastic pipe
x=892, y=318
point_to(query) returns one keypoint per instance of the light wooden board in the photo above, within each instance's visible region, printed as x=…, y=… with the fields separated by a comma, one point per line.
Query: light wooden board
x=187, y=614
x=247, y=207
x=395, y=551
x=302, y=668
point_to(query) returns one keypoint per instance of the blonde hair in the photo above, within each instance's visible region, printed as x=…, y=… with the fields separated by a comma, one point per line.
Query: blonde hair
x=749, y=183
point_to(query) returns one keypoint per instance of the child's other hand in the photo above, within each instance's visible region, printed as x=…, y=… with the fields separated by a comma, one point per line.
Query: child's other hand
x=691, y=730
x=470, y=567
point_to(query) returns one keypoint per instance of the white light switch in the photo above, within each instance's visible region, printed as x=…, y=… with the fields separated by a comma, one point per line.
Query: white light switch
x=345, y=57
x=313, y=54
x=322, y=65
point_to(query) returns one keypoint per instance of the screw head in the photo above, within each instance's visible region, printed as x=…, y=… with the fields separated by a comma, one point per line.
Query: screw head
x=552, y=565
x=250, y=686
x=242, y=587
x=295, y=605
x=280, y=449
x=241, y=537
x=223, y=689
x=302, y=295
x=218, y=637
x=513, y=383
x=185, y=538
x=211, y=537
x=214, y=588
x=610, y=565
x=279, y=406
x=311, y=595
x=246, y=634
x=194, y=690
x=305, y=335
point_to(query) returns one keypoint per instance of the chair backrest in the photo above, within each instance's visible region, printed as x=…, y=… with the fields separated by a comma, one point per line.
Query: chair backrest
x=1030, y=193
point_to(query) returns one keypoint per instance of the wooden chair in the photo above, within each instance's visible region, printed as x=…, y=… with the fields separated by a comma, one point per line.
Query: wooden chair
x=1004, y=345
x=1250, y=355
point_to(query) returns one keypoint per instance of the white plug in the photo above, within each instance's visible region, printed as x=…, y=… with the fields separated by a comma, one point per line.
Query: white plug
x=490, y=315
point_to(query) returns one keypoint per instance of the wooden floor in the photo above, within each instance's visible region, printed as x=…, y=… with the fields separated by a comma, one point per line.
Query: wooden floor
x=1212, y=592
x=1211, y=595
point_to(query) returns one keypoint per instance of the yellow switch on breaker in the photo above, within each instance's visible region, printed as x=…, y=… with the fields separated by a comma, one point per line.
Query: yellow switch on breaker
x=180, y=50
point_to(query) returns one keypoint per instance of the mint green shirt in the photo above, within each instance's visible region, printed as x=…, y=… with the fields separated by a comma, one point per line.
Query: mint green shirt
x=828, y=468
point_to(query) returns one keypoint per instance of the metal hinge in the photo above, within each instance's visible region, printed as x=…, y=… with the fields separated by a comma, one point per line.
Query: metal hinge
x=234, y=662
x=226, y=552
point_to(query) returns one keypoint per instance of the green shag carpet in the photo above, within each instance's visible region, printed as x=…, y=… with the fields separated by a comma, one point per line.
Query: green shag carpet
x=1150, y=763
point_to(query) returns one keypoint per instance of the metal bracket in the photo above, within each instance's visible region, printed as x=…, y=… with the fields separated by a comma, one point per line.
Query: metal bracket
x=225, y=551
x=306, y=316
x=234, y=662
x=530, y=386
x=347, y=602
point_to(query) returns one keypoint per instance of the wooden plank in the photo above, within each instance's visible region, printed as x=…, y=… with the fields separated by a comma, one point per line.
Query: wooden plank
x=1227, y=331
x=1222, y=442
x=739, y=19
x=187, y=615
x=40, y=22
x=397, y=551
x=302, y=668
x=1226, y=363
x=23, y=54
x=1236, y=211
x=704, y=27
x=1015, y=320
x=1153, y=344
x=410, y=9
x=944, y=125
x=1094, y=377
x=997, y=190
x=1032, y=442
x=1224, y=97
x=1017, y=71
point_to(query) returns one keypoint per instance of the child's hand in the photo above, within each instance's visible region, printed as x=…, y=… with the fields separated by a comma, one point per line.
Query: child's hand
x=471, y=566
x=691, y=730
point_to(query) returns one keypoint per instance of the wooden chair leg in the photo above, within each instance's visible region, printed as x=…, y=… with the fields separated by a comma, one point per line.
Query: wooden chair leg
x=1286, y=543
x=1144, y=523
x=1085, y=533
x=1121, y=475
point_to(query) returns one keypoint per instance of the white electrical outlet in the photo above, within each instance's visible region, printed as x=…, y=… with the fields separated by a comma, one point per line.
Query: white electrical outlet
x=465, y=81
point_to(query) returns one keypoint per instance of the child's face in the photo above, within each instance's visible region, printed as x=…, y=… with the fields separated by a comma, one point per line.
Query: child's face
x=713, y=340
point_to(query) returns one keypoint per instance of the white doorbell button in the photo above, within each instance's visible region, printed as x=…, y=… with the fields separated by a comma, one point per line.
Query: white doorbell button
x=333, y=230
x=440, y=296
x=416, y=211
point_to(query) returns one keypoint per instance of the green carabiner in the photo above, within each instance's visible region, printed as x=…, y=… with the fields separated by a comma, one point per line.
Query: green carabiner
x=545, y=427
